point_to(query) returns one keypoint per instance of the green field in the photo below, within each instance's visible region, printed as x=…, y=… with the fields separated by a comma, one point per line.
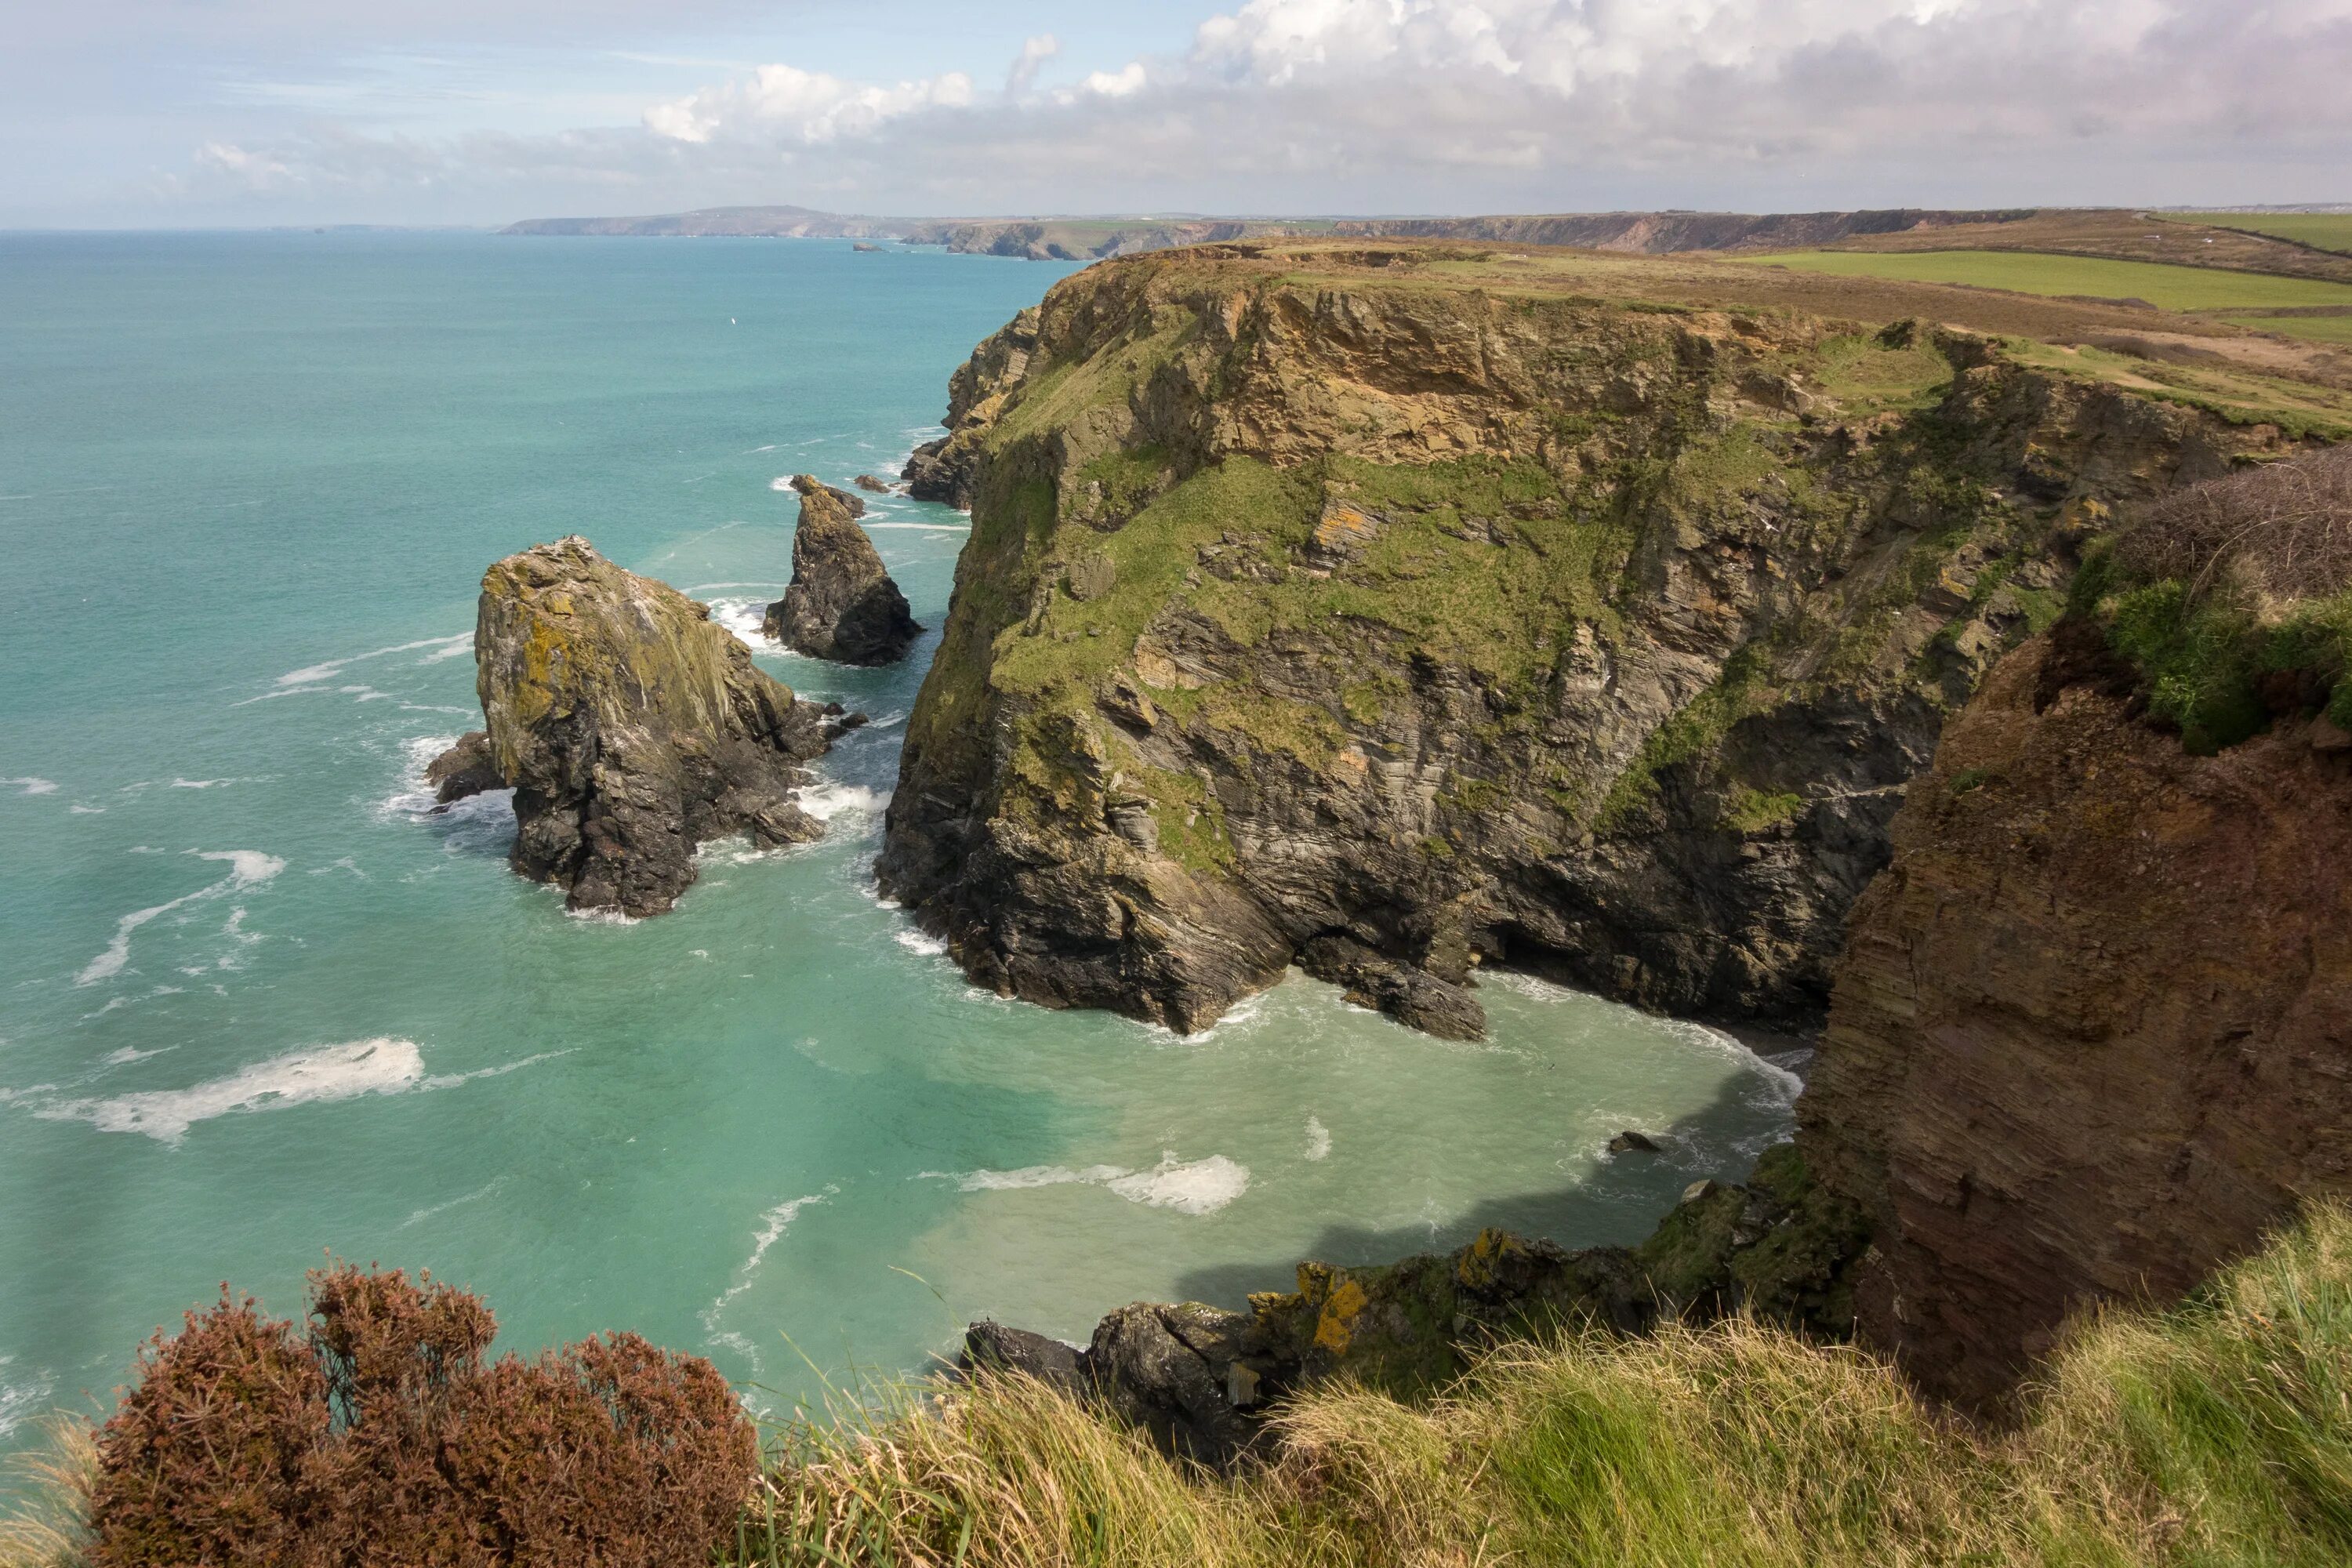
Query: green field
x=2245, y=296
x=2030, y=272
x=2321, y=231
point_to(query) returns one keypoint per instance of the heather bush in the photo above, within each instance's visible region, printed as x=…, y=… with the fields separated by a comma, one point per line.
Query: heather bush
x=379, y=1434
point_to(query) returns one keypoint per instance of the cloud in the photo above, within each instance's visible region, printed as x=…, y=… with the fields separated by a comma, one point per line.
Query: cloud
x=1034, y=53
x=1452, y=105
x=793, y=105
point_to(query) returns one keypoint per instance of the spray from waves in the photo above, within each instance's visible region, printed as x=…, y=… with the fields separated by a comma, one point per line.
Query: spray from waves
x=772, y=1226
x=483, y=822
x=829, y=798
x=20, y=1400
x=919, y=942
x=747, y=619
x=1188, y=1186
x=320, y=1076
x=428, y=1212
x=32, y=785
x=1318, y=1139
x=247, y=868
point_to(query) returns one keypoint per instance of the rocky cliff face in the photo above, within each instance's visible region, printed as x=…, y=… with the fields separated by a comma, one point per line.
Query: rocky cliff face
x=840, y=604
x=630, y=727
x=2094, y=1029
x=1318, y=608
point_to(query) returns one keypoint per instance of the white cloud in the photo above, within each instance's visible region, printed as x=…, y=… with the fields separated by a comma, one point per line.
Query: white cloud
x=809, y=107
x=1480, y=105
x=1122, y=83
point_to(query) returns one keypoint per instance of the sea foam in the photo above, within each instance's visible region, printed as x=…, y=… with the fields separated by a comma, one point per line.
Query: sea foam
x=247, y=868
x=320, y=1075
x=1188, y=1186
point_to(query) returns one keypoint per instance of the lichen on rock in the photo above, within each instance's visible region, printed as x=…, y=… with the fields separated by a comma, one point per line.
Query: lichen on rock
x=842, y=604
x=631, y=728
x=1318, y=609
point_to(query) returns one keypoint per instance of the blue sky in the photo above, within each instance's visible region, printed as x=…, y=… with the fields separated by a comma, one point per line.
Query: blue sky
x=175, y=112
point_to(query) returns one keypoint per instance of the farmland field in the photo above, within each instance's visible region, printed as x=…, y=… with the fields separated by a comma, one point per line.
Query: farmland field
x=2327, y=231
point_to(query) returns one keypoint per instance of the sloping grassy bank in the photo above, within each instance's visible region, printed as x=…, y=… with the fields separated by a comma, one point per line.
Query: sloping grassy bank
x=2217, y=1433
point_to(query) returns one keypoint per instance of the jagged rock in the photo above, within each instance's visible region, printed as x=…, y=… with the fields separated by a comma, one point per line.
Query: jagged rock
x=1630, y=1143
x=2089, y=1034
x=1201, y=1381
x=465, y=770
x=880, y=487
x=841, y=605
x=944, y=470
x=1473, y=629
x=631, y=728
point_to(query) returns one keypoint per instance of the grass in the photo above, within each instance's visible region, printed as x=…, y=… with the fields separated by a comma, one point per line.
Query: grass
x=2321, y=231
x=2216, y=1434
x=2032, y=272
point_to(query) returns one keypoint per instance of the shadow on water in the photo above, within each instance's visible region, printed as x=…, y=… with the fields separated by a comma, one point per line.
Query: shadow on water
x=1620, y=1203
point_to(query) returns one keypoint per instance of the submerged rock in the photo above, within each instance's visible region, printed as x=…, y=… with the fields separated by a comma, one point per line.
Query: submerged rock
x=841, y=605
x=631, y=728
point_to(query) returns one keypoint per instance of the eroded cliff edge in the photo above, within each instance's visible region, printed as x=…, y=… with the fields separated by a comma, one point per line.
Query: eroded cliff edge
x=2091, y=1034
x=1319, y=607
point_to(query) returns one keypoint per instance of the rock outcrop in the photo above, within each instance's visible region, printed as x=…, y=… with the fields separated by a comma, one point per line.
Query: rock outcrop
x=631, y=728
x=2093, y=1030
x=1317, y=609
x=465, y=770
x=1200, y=1380
x=840, y=604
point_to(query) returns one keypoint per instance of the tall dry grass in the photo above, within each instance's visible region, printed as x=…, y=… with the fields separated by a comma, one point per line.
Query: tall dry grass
x=2217, y=1433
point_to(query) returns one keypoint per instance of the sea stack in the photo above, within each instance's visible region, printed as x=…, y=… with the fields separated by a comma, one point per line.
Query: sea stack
x=842, y=605
x=630, y=727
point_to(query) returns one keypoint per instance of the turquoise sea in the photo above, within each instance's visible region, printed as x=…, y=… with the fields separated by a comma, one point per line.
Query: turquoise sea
x=258, y=1006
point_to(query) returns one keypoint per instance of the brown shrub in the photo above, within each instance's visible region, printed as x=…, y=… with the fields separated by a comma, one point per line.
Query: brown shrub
x=2283, y=530
x=380, y=1436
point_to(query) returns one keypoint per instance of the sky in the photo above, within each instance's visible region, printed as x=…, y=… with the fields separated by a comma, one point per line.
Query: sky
x=172, y=113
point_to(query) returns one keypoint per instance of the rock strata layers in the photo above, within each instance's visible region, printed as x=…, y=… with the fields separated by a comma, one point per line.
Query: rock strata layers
x=842, y=604
x=1317, y=612
x=631, y=728
x=2094, y=1029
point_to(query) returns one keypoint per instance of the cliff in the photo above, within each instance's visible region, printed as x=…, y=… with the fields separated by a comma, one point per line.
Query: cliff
x=630, y=728
x=1400, y=609
x=841, y=603
x=2089, y=1038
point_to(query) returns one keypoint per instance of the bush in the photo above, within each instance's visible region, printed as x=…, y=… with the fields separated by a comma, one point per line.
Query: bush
x=378, y=1435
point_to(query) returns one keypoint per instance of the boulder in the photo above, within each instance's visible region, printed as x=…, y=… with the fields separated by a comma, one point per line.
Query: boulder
x=465, y=770
x=1630, y=1141
x=631, y=728
x=880, y=487
x=841, y=605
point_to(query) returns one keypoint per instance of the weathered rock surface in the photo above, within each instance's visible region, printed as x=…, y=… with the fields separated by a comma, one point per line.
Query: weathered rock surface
x=465, y=770
x=631, y=728
x=840, y=604
x=2094, y=1029
x=873, y=483
x=1313, y=615
x=1200, y=1380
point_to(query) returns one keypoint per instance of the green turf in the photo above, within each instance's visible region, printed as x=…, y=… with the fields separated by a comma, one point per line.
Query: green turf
x=2322, y=231
x=2030, y=272
x=2318, y=328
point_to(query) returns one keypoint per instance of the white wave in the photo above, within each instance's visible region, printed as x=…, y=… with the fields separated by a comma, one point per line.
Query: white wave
x=781, y=481
x=1318, y=1139
x=427, y=1213
x=828, y=798
x=247, y=868
x=365, y=693
x=914, y=941
x=322, y=1075
x=477, y=821
x=32, y=785
x=459, y=647
x=20, y=1401
x=612, y=917
x=221, y=783
x=757, y=450
x=130, y=1054
x=328, y=670
x=774, y=1223
x=78, y=809
x=1188, y=1186
x=745, y=618
x=280, y=691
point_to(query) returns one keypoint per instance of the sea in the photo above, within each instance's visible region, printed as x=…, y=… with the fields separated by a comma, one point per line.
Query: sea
x=262, y=1006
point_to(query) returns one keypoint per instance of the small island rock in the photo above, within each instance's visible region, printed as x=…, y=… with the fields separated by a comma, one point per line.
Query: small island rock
x=842, y=605
x=631, y=728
